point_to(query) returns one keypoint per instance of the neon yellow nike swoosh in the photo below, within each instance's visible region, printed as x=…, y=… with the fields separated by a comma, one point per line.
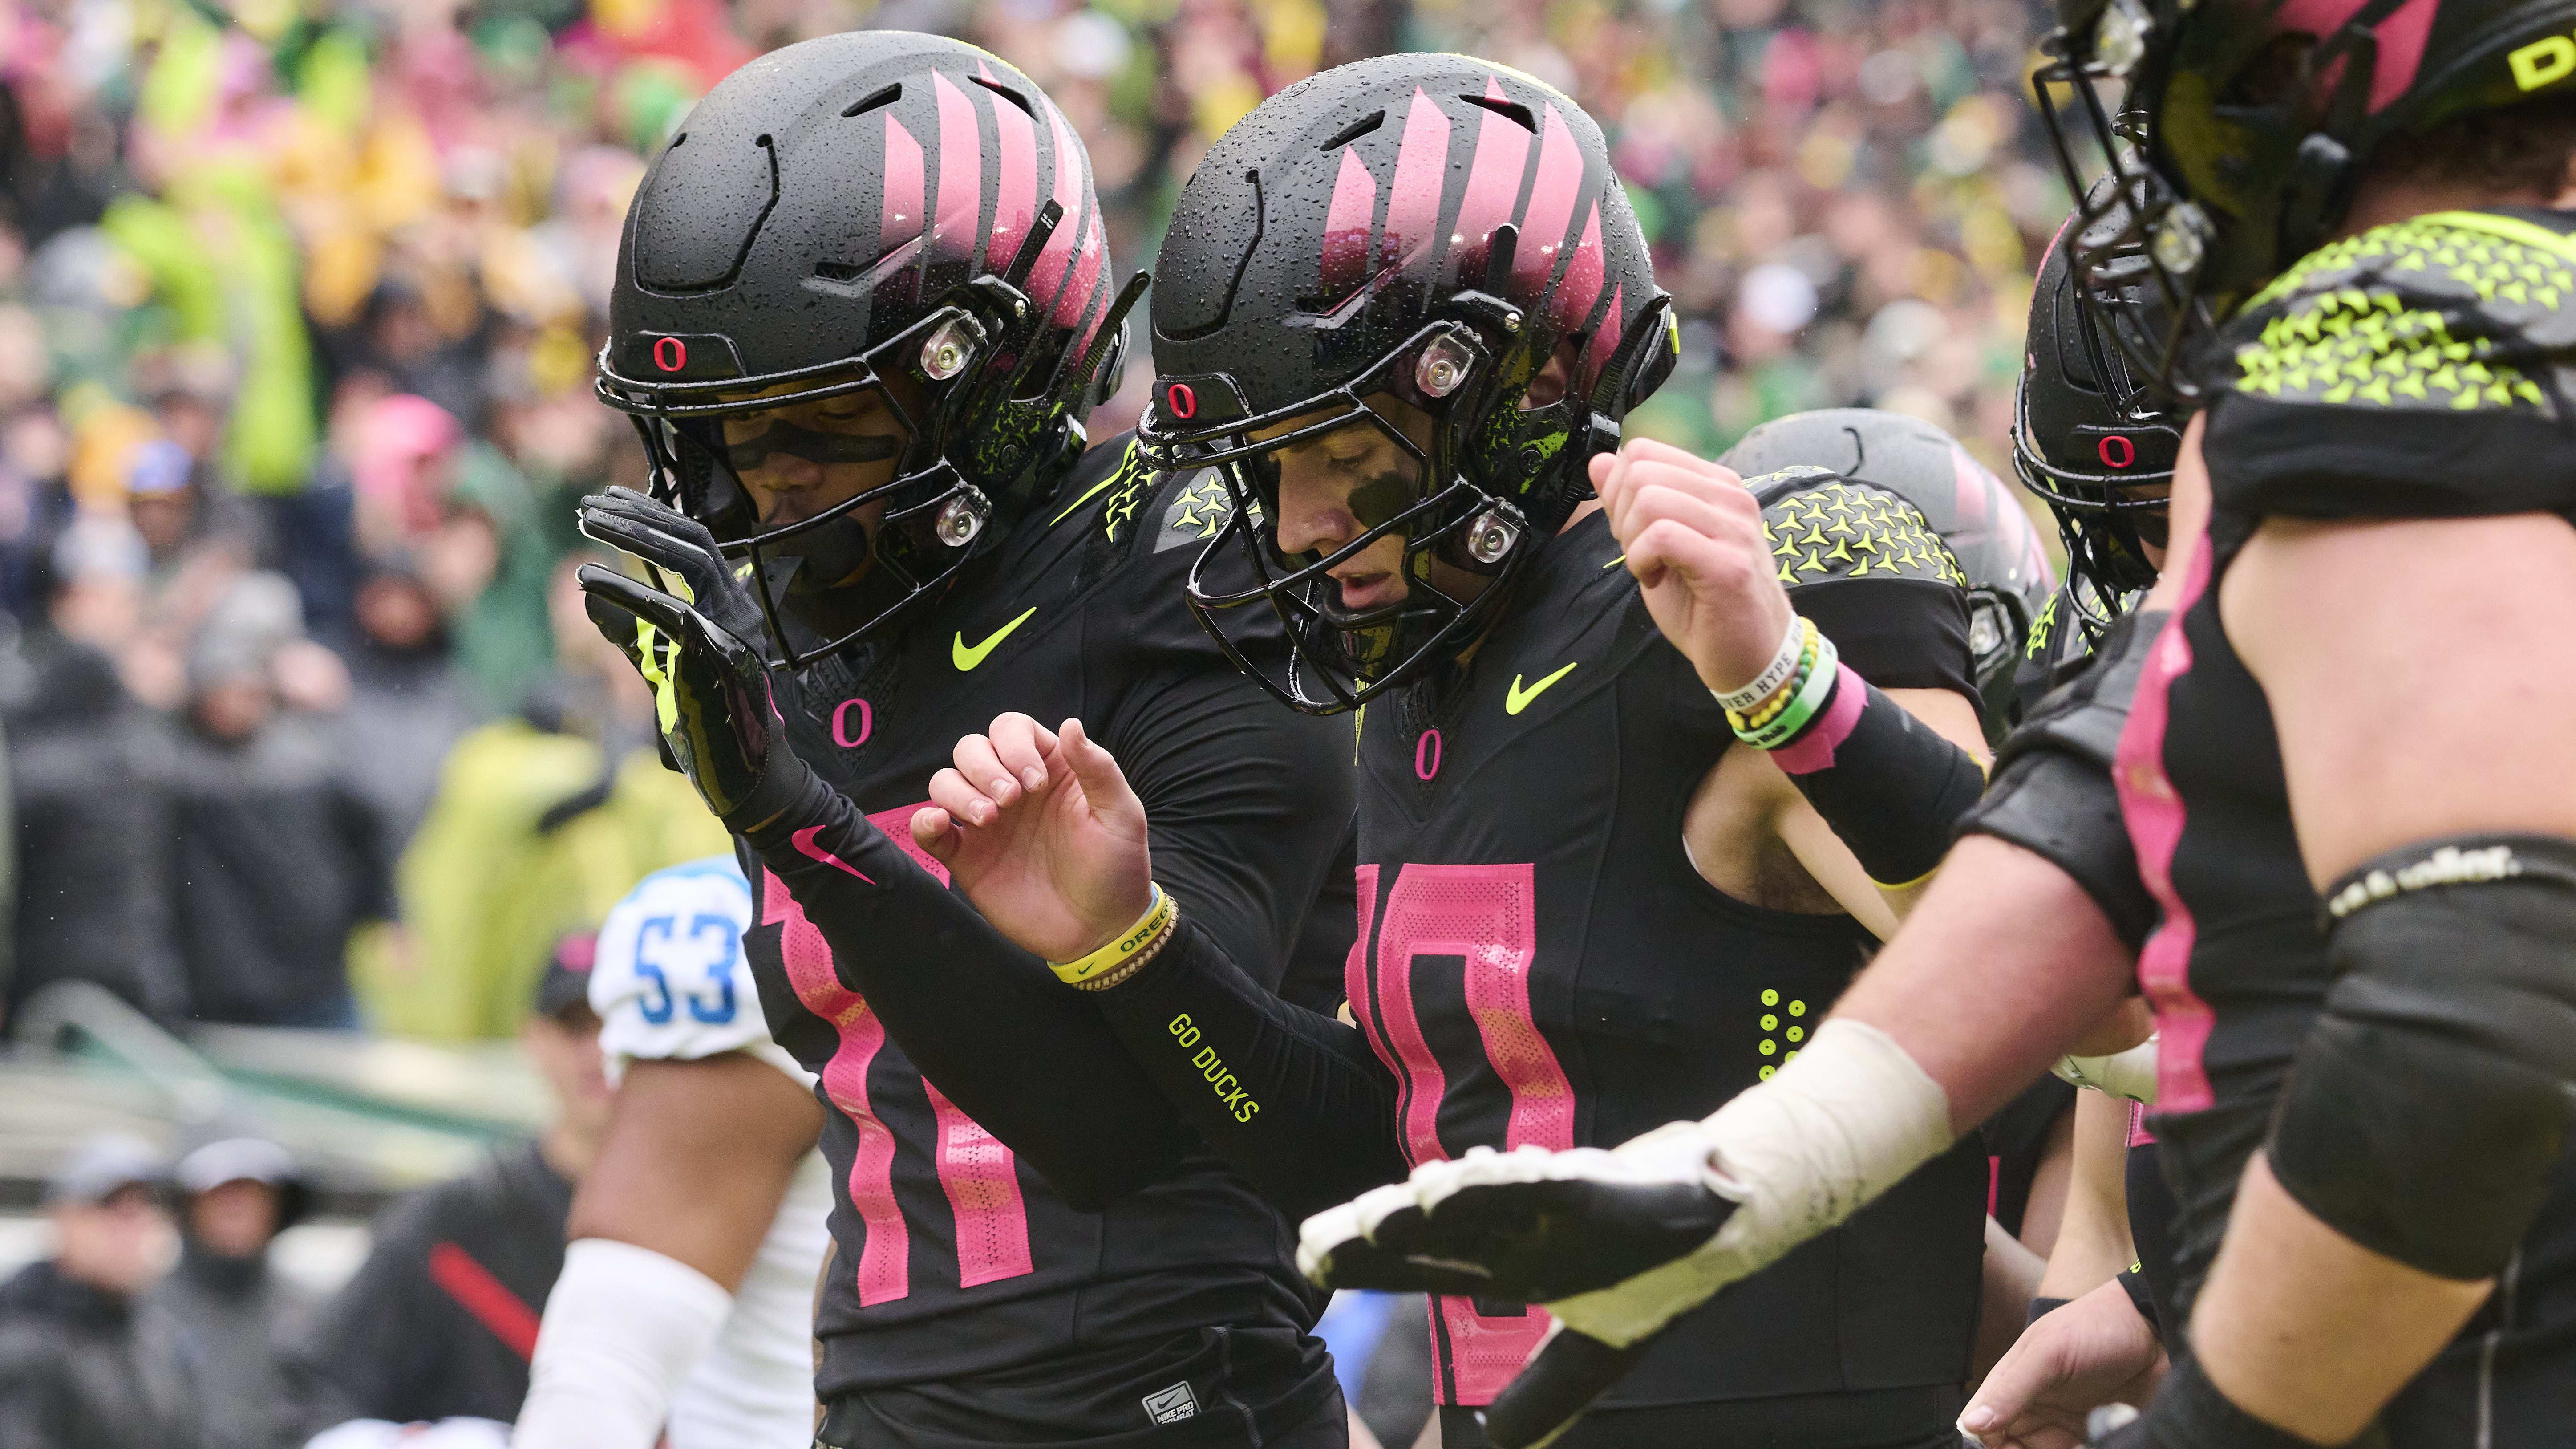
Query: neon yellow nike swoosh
x=1085, y=498
x=967, y=658
x=1517, y=699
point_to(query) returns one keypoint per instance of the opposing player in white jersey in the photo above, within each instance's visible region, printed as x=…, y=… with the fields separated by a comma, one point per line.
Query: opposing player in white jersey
x=655, y=1323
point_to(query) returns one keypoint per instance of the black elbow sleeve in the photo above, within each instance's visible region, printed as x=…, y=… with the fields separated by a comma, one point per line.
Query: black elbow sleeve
x=990, y=1026
x=2053, y=792
x=1892, y=787
x=1292, y=1099
x=2430, y=1105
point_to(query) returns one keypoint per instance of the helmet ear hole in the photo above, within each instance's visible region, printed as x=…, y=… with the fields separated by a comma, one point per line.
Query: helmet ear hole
x=1554, y=378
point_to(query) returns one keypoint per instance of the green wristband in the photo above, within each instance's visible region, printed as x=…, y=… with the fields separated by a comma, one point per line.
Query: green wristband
x=1812, y=693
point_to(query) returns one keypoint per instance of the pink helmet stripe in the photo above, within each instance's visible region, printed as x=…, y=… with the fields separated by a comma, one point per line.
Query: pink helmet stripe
x=961, y=173
x=1413, y=201
x=1493, y=178
x=1015, y=202
x=901, y=218
x=2400, y=36
x=1582, y=285
x=1073, y=305
x=1046, y=283
x=1551, y=207
x=1346, y=227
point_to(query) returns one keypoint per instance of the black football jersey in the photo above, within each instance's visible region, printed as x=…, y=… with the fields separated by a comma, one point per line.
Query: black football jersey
x=1540, y=963
x=952, y=1257
x=2415, y=370
x=2062, y=638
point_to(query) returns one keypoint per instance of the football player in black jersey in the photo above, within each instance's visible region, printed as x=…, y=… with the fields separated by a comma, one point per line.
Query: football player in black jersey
x=861, y=307
x=1398, y=318
x=2011, y=586
x=2373, y=202
x=2098, y=448
x=2371, y=511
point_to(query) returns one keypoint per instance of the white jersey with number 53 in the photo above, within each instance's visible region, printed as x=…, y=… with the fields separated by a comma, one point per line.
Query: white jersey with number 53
x=670, y=984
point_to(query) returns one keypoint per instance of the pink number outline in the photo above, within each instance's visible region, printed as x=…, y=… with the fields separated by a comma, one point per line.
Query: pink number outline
x=1487, y=915
x=978, y=1174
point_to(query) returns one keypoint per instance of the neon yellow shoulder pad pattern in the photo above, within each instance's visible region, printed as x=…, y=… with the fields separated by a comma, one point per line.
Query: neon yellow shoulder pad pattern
x=1835, y=529
x=2430, y=313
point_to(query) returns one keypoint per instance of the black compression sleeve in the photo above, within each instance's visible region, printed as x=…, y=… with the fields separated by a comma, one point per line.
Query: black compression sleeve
x=1249, y=806
x=2436, y=1094
x=1890, y=785
x=2053, y=793
x=986, y=1022
x=1293, y=1099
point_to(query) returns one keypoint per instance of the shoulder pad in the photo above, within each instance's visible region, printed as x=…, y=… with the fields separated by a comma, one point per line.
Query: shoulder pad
x=2035, y=643
x=1823, y=526
x=1194, y=508
x=2439, y=312
x=669, y=980
x=2412, y=371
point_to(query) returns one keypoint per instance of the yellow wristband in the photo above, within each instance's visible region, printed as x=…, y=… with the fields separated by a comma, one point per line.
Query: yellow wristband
x=1157, y=919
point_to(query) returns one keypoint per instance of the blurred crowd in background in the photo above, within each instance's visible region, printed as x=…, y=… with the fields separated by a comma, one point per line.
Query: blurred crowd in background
x=297, y=310
x=303, y=724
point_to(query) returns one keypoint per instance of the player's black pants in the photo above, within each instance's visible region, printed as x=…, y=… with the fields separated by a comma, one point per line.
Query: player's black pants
x=1209, y=1388
x=1923, y=1418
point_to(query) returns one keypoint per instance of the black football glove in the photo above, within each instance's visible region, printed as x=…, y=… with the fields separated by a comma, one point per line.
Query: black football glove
x=712, y=692
x=1611, y=1241
x=1515, y=1226
x=680, y=546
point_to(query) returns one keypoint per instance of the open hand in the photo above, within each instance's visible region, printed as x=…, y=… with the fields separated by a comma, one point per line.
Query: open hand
x=1040, y=830
x=1695, y=542
x=2093, y=1351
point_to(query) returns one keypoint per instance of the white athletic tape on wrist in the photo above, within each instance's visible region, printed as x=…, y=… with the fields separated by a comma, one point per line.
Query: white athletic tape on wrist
x=2129, y=1075
x=623, y=1326
x=1799, y=1154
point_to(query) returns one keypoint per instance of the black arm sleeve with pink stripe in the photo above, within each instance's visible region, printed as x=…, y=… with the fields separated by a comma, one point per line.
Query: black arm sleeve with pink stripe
x=1291, y=1098
x=986, y=1022
x=1250, y=809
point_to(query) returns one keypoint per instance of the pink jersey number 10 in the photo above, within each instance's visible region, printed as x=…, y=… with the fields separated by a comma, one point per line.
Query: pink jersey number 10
x=1487, y=915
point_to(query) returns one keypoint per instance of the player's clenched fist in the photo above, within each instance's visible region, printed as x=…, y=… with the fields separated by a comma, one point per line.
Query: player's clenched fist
x=1041, y=831
x=1694, y=538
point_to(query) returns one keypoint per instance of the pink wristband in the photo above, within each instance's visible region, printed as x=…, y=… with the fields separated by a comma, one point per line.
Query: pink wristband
x=1813, y=749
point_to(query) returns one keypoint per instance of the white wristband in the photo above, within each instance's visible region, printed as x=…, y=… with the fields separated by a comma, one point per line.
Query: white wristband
x=623, y=1326
x=1784, y=662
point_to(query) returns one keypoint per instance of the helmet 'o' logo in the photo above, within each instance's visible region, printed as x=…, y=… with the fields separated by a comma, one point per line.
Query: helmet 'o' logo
x=670, y=354
x=1183, y=402
x=2117, y=451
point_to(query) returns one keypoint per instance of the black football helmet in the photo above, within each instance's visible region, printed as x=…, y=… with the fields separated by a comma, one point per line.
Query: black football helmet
x=2245, y=124
x=2009, y=578
x=2091, y=438
x=1433, y=227
x=875, y=211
